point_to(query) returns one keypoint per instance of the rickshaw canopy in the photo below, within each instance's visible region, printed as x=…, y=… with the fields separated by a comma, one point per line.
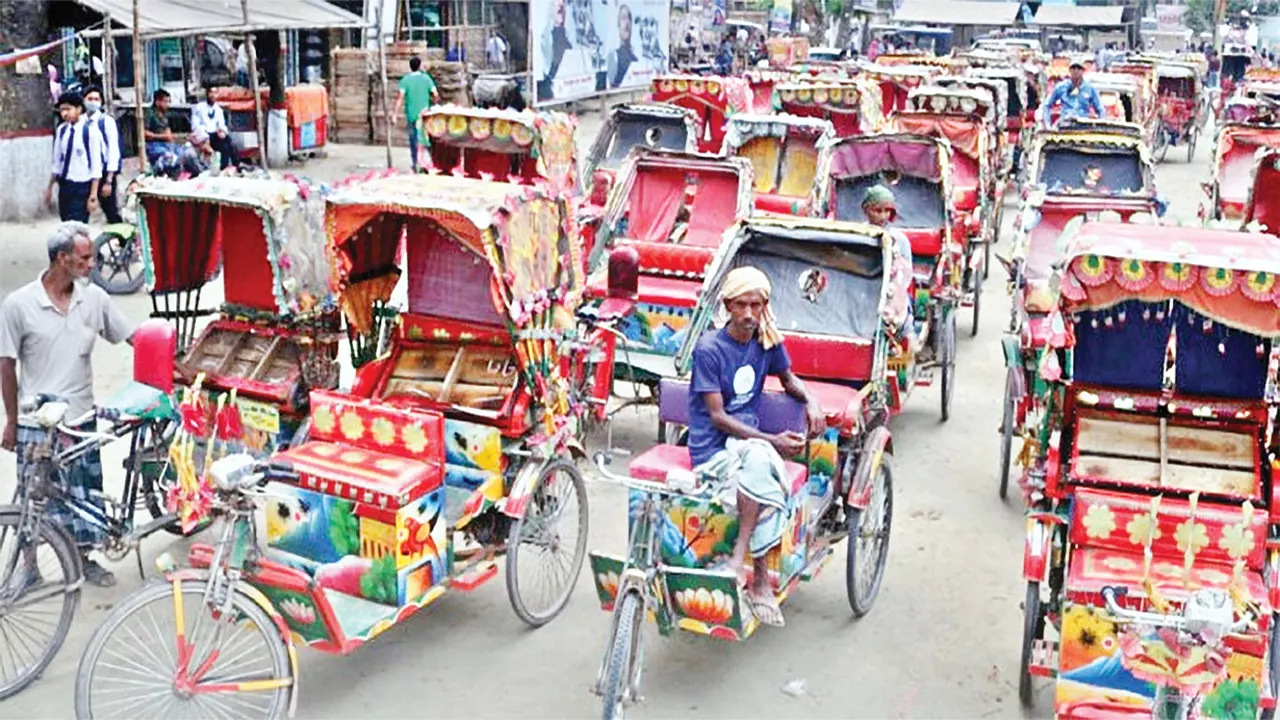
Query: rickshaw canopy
x=652, y=186
x=853, y=106
x=843, y=250
x=1227, y=276
x=652, y=125
x=916, y=167
x=466, y=241
x=484, y=141
x=789, y=154
x=1089, y=162
x=974, y=101
x=267, y=234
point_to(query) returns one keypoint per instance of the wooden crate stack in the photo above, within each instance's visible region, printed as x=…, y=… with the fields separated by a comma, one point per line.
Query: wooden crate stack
x=452, y=80
x=353, y=79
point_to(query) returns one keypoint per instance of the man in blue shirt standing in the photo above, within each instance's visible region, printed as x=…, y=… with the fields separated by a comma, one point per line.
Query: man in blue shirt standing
x=729, y=369
x=1078, y=98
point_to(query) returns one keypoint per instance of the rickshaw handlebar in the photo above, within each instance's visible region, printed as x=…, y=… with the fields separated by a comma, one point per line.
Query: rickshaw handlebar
x=699, y=487
x=1160, y=620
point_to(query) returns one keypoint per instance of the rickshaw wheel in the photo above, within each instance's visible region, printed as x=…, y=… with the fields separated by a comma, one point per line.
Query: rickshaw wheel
x=113, y=255
x=1032, y=629
x=1162, y=144
x=861, y=560
x=1006, y=435
x=621, y=660
x=947, y=361
x=537, y=536
x=1191, y=145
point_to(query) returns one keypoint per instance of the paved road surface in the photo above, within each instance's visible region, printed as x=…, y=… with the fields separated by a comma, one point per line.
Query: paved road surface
x=942, y=640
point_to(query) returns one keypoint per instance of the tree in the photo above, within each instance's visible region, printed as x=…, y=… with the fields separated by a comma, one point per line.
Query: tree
x=24, y=98
x=1199, y=13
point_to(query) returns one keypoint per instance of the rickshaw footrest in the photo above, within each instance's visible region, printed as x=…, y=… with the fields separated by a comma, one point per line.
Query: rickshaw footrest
x=1044, y=658
x=475, y=577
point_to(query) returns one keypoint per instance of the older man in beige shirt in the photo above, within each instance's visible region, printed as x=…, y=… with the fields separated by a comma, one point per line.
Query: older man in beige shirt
x=47, y=331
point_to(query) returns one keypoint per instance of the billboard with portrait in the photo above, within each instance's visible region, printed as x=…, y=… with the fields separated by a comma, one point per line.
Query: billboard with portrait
x=588, y=47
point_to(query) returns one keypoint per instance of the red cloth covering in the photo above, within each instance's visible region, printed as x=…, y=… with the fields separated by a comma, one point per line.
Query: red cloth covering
x=249, y=278
x=185, y=242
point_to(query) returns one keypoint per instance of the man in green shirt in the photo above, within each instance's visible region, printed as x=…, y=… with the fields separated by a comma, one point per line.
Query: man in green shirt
x=417, y=93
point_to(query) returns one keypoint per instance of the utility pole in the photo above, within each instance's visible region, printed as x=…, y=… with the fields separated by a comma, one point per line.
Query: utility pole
x=253, y=84
x=139, y=77
x=1219, y=12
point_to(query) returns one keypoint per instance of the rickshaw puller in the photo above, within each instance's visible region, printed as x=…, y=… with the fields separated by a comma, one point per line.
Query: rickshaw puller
x=1078, y=97
x=729, y=370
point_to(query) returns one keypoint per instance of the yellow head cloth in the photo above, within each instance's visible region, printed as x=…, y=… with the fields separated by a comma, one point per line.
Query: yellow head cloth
x=743, y=280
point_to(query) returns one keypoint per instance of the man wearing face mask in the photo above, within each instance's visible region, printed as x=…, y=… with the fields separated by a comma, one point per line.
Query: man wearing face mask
x=110, y=133
x=47, y=331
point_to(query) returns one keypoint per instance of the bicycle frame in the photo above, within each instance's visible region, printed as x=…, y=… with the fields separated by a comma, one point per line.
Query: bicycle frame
x=117, y=525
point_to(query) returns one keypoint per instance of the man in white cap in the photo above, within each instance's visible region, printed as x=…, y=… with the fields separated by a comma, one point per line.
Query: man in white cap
x=730, y=365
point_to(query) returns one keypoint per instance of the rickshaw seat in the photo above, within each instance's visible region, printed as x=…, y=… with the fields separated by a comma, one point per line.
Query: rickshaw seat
x=658, y=461
x=778, y=413
x=364, y=447
x=672, y=258
x=669, y=291
x=356, y=472
x=924, y=241
x=832, y=358
x=965, y=197
x=782, y=204
x=836, y=401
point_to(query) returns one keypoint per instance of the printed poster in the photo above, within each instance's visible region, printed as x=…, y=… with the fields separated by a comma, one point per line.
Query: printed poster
x=587, y=47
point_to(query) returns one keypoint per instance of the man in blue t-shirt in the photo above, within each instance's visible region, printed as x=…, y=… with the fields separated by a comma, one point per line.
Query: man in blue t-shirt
x=729, y=368
x=1078, y=97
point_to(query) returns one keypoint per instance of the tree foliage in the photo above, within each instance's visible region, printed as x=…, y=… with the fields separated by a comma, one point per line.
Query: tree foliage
x=1198, y=16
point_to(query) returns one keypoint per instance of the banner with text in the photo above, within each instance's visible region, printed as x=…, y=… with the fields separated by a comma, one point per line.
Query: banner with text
x=588, y=47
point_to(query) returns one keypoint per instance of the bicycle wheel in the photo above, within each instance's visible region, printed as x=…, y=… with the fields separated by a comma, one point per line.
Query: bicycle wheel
x=131, y=667
x=619, y=676
x=548, y=548
x=36, y=599
x=868, y=543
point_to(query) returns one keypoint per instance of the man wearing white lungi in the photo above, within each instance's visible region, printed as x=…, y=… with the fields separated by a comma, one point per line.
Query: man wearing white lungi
x=729, y=369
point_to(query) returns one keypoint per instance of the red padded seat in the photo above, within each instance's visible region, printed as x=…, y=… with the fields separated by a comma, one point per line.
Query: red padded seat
x=966, y=198
x=362, y=475
x=927, y=243
x=782, y=204
x=825, y=356
x=654, y=464
x=833, y=399
x=669, y=291
x=672, y=258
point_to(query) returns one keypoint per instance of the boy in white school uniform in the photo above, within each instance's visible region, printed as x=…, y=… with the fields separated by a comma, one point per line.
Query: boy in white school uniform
x=111, y=160
x=207, y=117
x=77, y=161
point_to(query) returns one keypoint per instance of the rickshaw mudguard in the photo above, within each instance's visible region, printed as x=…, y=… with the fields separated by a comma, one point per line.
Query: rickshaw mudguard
x=517, y=501
x=201, y=575
x=1037, y=545
x=1012, y=346
x=870, y=457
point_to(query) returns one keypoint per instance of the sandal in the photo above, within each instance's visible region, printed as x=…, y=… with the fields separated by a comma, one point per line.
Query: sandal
x=766, y=609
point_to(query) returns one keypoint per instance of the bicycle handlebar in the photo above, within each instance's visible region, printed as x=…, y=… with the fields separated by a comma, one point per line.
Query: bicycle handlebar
x=1160, y=620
